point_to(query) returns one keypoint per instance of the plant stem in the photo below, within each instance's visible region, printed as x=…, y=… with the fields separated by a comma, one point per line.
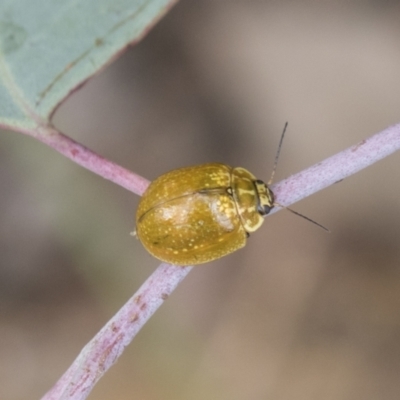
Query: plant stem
x=338, y=167
x=108, y=344
x=90, y=160
x=105, y=348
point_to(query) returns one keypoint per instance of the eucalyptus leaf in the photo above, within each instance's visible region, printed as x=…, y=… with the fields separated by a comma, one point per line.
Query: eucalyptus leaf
x=49, y=47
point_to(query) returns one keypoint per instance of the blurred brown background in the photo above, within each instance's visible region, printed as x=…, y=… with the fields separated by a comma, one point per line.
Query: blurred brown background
x=297, y=314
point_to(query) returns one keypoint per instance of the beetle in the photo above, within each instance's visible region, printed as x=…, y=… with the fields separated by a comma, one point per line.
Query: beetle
x=197, y=214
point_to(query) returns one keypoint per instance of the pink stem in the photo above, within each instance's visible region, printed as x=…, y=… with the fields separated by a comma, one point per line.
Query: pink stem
x=90, y=160
x=338, y=167
x=105, y=348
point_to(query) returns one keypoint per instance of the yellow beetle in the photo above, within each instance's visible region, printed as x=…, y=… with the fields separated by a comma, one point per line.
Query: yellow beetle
x=197, y=214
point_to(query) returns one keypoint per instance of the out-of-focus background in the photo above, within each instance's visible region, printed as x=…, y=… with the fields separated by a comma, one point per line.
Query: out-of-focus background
x=298, y=313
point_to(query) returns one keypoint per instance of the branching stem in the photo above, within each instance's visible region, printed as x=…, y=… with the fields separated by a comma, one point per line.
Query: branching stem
x=105, y=348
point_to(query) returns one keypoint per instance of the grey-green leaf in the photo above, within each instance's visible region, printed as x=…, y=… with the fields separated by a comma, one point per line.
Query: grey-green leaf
x=49, y=47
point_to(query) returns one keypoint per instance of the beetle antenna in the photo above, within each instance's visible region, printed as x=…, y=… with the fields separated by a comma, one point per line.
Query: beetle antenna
x=272, y=178
x=302, y=216
x=277, y=155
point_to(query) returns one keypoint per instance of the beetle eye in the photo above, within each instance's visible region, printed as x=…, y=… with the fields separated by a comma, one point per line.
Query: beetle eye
x=264, y=209
x=265, y=197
